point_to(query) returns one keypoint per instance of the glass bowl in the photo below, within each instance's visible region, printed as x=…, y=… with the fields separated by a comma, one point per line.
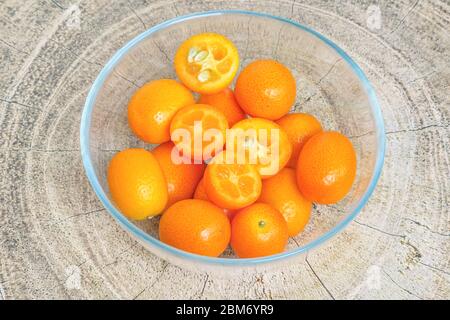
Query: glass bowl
x=330, y=84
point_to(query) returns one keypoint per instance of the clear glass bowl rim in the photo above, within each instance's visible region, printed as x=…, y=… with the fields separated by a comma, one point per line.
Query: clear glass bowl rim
x=146, y=238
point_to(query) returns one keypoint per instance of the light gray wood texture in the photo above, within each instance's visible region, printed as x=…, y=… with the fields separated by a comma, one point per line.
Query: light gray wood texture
x=56, y=239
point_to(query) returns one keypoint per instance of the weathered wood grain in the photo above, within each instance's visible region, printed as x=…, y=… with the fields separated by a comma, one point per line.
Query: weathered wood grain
x=56, y=239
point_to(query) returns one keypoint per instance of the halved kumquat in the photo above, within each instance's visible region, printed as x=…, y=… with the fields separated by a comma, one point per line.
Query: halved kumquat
x=206, y=62
x=199, y=131
x=232, y=186
x=200, y=193
x=260, y=142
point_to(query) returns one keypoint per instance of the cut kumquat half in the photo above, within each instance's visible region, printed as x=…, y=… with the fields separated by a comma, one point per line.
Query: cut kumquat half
x=199, y=131
x=232, y=186
x=200, y=193
x=206, y=62
x=260, y=142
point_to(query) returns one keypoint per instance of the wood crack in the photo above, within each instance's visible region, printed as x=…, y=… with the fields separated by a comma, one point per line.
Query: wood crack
x=49, y=61
x=329, y=71
x=361, y=135
x=402, y=20
x=82, y=263
x=310, y=97
x=278, y=40
x=13, y=47
x=204, y=286
x=162, y=51
x=414, y=257
x=116, y=259
x=379, y=230
x=76, y=54
x=295, y=241
x=418, y=129
x=292, y=9
x=117, y=73
x=427, y=227
x=318, y=278
x=176, y=9
x=19, y=104
x=160, y=274
x=248, y=38
x=57, y=4
x=83, y=214
x=399, y=286
x=434, y=268
x=137, y=16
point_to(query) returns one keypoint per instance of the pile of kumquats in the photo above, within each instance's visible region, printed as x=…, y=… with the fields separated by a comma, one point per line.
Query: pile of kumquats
x=233, y=168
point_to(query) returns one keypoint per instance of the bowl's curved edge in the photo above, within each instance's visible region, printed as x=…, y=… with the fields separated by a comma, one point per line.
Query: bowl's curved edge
x=146, y=238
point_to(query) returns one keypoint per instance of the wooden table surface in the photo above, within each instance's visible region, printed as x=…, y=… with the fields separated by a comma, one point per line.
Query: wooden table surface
x=57, y=240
